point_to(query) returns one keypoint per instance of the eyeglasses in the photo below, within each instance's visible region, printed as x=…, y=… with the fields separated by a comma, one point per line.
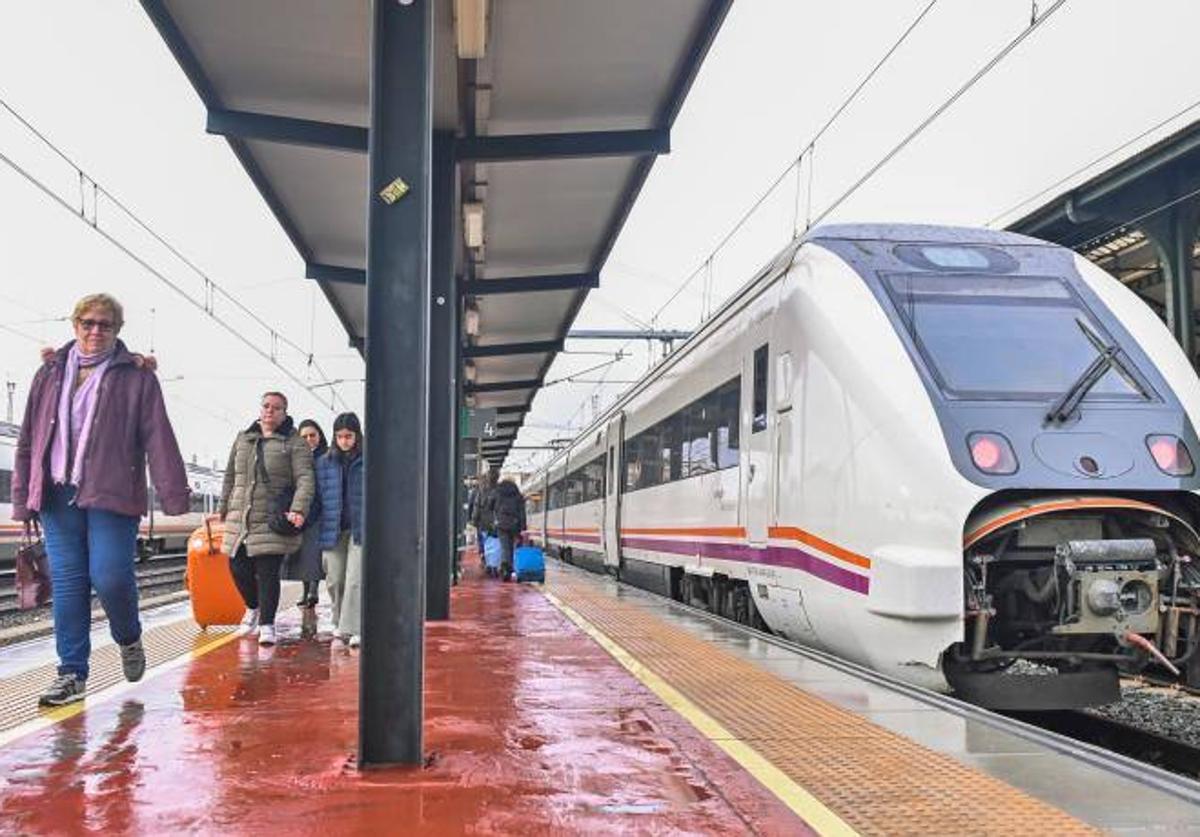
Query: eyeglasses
x=103, y=326
x=272, y=408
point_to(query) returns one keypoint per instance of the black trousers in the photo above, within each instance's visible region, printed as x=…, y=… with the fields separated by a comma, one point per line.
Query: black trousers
x=257, y=579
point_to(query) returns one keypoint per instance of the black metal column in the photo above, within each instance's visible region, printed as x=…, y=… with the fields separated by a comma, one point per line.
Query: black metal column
x=1174, y=235
x=442, y=421
x=398, y=213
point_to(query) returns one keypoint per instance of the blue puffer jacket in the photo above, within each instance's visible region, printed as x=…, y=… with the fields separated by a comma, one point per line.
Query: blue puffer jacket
x=329, y=489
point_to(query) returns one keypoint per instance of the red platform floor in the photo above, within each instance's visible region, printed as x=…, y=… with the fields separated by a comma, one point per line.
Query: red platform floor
x=531, y=728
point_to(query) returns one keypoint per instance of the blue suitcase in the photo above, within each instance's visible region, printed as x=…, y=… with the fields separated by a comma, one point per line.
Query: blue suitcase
x=491, y=554
x=530, y=564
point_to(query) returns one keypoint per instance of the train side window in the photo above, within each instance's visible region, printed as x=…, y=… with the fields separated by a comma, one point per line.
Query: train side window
x=759, y=421
x=5, y=485
x=729, y=429
x=671, y=447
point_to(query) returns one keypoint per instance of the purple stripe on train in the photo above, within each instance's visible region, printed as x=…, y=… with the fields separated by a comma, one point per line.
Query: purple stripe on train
x=775, y=556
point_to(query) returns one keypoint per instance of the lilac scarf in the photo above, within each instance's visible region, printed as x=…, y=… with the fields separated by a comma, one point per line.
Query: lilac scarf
x=76, y=411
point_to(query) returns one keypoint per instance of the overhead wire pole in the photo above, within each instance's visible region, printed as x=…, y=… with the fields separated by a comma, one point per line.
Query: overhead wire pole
x=398, y=284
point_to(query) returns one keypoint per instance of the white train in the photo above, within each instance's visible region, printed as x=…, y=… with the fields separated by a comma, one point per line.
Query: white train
x=157, y=533
x=934, y=451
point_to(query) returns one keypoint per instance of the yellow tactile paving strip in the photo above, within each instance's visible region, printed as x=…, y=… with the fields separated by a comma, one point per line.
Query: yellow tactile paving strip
x=19, y=694
x=875, y=781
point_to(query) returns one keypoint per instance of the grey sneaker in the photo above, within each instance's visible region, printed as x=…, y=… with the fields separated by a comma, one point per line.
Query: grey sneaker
x=66, y=689
x=133, y=660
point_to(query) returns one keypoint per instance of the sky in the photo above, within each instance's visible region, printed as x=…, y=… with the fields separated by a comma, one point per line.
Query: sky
x=96, y=79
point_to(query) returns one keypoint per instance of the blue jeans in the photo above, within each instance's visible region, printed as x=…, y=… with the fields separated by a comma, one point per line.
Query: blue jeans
x=89, y=548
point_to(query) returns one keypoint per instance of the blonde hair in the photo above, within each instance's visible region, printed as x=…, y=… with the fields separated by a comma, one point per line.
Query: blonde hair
x=100, y=301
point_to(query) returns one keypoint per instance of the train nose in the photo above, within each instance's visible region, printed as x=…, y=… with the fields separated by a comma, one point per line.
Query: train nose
x=1090, y=455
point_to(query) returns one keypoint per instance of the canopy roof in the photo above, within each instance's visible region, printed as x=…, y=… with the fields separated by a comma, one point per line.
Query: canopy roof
x=557, y=127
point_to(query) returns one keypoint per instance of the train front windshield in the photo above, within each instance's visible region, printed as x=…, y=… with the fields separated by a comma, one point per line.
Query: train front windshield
x=1006, y=337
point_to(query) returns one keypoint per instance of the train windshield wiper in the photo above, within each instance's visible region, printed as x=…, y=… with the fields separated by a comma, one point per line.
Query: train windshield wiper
x=1107, y=358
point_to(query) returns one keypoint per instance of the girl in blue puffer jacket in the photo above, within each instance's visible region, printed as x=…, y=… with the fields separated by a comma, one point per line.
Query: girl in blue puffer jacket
x=340, y=487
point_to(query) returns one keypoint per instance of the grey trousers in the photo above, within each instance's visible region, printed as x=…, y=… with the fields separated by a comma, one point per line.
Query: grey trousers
x=343, y=576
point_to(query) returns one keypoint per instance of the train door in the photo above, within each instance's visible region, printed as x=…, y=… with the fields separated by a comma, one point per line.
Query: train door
x=756, y=440
x=610, y=536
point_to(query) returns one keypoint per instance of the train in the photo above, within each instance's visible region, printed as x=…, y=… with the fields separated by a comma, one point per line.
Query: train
x=158, y=533
x=960, y=457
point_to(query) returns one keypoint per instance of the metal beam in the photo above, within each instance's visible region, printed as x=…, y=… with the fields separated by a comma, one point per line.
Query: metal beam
x=1174, y=235
x=503, y=349
x=286, y=130
x=502, y=386
x=526, y=284
x=509, y=409
x=493, y=149
x=391, y=666
x=443, y=417
x=335, y=273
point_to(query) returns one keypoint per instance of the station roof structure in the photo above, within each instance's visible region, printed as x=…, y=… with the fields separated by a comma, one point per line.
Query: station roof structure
x=557, y=124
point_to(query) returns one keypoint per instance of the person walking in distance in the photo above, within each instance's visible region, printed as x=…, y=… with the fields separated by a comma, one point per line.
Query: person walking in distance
x=304, y=565
x=269, y=485
x=92, y=421
x=340, y=478
x=509, y=508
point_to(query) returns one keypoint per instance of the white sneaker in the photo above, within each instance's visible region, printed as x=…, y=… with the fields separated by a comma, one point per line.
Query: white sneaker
x=266, y=635
x=355, y=641
x=249, y=625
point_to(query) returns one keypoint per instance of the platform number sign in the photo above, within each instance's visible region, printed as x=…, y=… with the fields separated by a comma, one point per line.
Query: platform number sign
x=479, y=423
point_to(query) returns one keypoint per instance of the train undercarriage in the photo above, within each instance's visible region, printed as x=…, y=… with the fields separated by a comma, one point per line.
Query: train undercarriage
x=1063, y=595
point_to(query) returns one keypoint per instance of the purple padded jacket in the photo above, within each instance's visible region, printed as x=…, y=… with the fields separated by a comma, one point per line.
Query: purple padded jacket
x=130, y=426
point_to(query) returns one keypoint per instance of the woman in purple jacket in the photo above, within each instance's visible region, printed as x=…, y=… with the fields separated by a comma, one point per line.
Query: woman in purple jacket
x=93, y=418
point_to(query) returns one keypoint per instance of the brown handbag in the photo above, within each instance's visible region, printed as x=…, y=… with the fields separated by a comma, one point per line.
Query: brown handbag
x=33, y=569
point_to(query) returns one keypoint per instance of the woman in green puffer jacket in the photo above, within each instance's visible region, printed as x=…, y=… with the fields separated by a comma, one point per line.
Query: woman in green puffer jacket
x=267, y=460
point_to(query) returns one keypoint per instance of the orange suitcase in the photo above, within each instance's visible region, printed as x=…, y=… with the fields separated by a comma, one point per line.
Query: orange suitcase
x=215, y=599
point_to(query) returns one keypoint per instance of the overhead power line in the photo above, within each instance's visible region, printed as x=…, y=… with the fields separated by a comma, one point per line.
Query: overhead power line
x=89, y=214
x=942, y=108
x=807, y=149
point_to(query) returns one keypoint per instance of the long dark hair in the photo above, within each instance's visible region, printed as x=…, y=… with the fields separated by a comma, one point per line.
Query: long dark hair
x=347, y=421
x=323, y=444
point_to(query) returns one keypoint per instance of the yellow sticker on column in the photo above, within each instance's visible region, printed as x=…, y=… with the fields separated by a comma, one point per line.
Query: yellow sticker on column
x=394, y=191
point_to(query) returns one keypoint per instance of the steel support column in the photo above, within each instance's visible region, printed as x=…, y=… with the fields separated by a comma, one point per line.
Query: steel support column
x=391, y=665
x=442, y=418
x=1174, y=234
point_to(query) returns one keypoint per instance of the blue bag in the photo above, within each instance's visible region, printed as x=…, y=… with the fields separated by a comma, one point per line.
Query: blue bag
x=530, y=564
x=491, y=552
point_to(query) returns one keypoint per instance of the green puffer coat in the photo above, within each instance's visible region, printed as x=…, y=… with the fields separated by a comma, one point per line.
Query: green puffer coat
x=245, y=498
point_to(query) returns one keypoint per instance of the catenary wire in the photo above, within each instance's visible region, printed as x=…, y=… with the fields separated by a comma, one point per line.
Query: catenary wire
x=942, y=108
x=210, y=284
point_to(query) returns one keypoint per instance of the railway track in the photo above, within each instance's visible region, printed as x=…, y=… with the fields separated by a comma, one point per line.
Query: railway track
x=1119, y=737
x=153, y=574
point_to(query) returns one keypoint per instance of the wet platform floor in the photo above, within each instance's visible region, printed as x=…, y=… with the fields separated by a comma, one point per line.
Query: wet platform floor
x=531, y=728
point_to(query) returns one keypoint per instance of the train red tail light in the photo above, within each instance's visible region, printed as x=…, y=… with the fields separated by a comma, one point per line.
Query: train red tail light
x=992, y=453
x=1171, y=455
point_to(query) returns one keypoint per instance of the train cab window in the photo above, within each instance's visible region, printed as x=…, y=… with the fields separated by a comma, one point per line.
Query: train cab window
x=1017, y=337
x=759, y=420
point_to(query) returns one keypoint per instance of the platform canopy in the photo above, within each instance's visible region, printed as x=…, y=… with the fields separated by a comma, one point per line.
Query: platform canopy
x=558, y=109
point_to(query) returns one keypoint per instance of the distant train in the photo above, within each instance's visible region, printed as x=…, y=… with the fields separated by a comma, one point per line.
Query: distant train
x=158, y=533
x=938, y=452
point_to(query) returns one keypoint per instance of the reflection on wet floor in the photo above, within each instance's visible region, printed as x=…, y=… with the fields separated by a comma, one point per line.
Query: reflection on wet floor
x=531, y=727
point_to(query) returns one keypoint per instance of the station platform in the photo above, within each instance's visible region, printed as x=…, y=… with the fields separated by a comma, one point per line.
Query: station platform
x=579, y=707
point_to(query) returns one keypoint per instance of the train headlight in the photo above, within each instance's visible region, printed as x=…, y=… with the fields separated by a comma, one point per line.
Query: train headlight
x=1170, y=455
x=992, y=453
